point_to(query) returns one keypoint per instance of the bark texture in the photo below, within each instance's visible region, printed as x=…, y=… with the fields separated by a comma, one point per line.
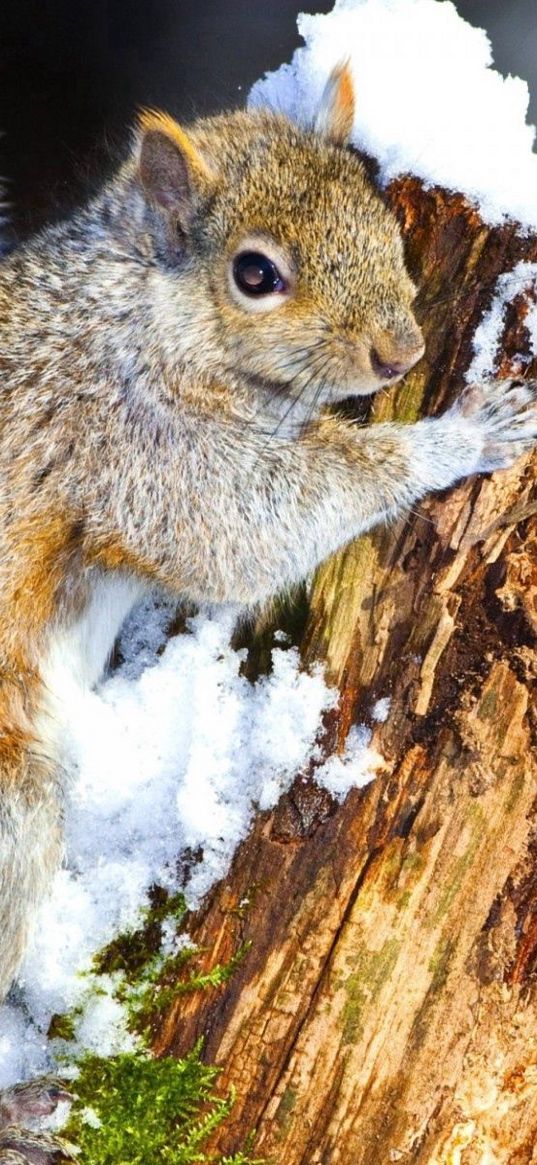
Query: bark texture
x=387, y=1008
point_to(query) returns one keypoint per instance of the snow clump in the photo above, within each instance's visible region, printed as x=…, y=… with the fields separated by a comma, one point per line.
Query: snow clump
x=521, y=280
x=176, y=756
x=428, y=101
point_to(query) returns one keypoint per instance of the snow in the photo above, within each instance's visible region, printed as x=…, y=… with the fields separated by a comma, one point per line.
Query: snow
x=522, y=280
x=428, y=101
x=381, y=709
x=354, y=769
x=102, y=1028
x=90, y=1117
x=174, y=751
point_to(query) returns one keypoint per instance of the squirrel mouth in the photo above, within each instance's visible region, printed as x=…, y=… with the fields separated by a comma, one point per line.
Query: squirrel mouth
x=265, y=383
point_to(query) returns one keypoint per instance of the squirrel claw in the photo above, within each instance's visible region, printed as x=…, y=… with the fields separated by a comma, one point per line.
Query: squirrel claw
x=506, y=413
x=20, y=1147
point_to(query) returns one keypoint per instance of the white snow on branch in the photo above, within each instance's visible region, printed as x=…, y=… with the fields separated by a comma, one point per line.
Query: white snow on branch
x=428, y=101
x=522, y=280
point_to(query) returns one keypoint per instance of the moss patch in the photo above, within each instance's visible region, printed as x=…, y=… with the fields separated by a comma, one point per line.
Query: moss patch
x=285, y=1108
x=460, y=867
x=289, y=613
x=135, y=1110
x=373, y=969
x=149, y=982
x=439, y=965
x=164, y=980
x=133, y=950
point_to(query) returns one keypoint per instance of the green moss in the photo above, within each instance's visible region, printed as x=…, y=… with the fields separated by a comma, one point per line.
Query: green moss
x=516, y=787
x=149, y=982
x=288, y=613
x=161, y=983
x=487, y=707
x=413, y=862
x=142, y=1110
x=439, y=965
x=149, y=1112
x=373, y=968
x=63, y=1027
x=285, y=1108
x=133, y=950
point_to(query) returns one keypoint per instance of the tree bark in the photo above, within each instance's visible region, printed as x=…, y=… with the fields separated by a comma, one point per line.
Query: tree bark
x=386, y=1010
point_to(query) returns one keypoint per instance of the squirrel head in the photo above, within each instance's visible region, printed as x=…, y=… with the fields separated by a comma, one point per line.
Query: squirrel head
x=291, y=264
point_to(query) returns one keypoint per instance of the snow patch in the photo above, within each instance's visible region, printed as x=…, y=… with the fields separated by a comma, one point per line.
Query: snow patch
x=356, y=768
x=91, y=1118
x=102, y=1028
x=522, y=280
x=175, y=756
x=381, y=709
x=428, y=101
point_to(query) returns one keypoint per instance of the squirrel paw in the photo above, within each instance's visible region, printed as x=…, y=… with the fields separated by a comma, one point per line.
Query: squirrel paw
x=505, y=411
x=27, y=1103
x=20, y=1147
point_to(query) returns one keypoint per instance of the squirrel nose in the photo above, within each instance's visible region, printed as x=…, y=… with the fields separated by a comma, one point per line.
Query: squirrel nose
x=386, y=371
x=394, y=360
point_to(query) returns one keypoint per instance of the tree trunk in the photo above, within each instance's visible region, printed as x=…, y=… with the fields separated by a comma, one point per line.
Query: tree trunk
x=386, y=1010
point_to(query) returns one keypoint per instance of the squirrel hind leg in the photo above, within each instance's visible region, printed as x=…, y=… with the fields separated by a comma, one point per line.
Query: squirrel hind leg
x=21, y=1147
x=26, y=1103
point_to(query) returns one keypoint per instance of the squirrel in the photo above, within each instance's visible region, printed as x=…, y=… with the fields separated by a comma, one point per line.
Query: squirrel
x=172, y=358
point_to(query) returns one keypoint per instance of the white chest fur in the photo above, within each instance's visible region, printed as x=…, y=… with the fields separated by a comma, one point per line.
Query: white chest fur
x=78, y=654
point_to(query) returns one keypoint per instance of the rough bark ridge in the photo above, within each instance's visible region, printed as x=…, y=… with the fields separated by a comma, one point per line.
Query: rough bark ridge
x=387, y=1008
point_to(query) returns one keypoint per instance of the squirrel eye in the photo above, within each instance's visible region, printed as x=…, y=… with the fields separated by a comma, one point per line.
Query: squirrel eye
x=255, y=274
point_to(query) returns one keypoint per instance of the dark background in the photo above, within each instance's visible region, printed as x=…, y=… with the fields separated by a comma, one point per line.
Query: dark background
x=73, y=72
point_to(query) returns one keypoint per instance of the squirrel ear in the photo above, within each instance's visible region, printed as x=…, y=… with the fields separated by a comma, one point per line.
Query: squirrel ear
x=171, y=169
x=336, y=112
